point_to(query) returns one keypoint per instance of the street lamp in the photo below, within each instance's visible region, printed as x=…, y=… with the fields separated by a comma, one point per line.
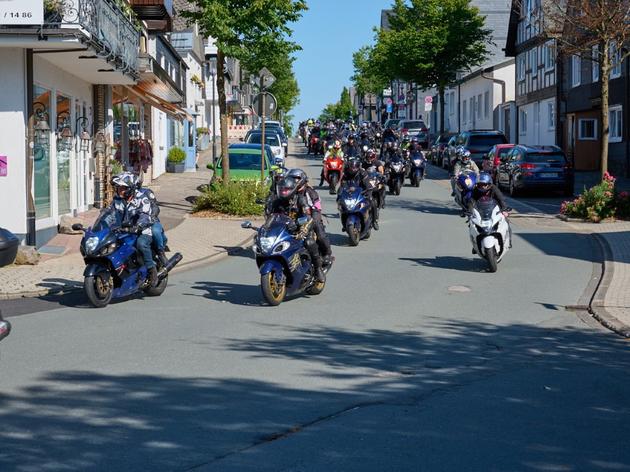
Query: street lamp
x=41, y=128
x=212, y=70
x=84, y=136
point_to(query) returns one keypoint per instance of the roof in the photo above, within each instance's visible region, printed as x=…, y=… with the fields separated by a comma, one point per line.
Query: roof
x=540, y=148
x=246, y=147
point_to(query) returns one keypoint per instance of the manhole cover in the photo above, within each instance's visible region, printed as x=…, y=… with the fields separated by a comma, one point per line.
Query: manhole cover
x=459, y=289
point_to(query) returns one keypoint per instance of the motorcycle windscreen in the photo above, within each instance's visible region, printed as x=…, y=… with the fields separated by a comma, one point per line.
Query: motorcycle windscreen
x=485, y=206
x=109, y=218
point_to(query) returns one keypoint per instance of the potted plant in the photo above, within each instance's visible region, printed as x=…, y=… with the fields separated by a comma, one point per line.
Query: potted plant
x=175, y=160
x=54, y=11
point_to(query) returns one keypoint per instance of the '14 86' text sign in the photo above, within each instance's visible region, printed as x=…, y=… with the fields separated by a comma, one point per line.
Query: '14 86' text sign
x=21, y=12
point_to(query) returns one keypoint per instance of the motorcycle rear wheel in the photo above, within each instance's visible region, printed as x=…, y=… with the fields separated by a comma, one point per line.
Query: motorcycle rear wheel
x=98, y=291
x=491, y=257
x=316, y=288
x=158, y=289
x=273, y=292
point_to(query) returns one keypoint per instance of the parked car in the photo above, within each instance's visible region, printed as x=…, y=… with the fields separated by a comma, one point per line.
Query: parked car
x=414, y=129
x=438, y=147
x=271, y=139
x=536, y=167
x=278, y=128
x=447, y=159
x=245, y=162
x=479, y=143
x=491, y=161
x=391, y=123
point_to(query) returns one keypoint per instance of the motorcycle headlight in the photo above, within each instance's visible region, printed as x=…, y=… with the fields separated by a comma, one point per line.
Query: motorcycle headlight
x=417, y=162
x=349, y=202
x=91, y=244
x=283, y=246
x=266, y=244
x=109, y=249
x=397, y=167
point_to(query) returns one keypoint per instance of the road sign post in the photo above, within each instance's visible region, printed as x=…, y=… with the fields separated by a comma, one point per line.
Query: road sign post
x=267, y=79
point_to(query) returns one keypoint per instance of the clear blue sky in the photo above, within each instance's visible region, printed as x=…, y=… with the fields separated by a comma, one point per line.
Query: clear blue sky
x=329, y=33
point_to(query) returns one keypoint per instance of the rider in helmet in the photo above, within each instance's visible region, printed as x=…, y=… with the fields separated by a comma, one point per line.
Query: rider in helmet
x=371, y=164
x=351, y=148
x=485, y=188
x=464, y=164
x=296, y=198
x=355, y=174
x=333, y=152
x=139, y=210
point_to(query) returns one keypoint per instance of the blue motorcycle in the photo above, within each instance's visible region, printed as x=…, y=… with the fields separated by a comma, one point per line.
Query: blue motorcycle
x=114, y=269
x=418, y=164
x=355, y=210
x=284, y=263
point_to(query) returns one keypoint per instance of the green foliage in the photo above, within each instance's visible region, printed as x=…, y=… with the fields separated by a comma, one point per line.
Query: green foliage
x=176, y=155
x=235, y=198
x=116, y=167
x=202, y=130
x=342, y=110
x=368, y=75
x=597, y=203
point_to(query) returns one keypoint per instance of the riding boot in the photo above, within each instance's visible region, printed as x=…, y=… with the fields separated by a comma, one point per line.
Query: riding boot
x=162, y=257
x=320, y=276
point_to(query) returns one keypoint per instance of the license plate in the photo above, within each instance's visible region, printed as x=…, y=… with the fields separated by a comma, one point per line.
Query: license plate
x=548, y=175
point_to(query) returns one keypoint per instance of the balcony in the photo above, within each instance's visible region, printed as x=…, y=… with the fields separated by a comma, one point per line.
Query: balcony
x=93, y=39
x=157, y=14
x=163, y=72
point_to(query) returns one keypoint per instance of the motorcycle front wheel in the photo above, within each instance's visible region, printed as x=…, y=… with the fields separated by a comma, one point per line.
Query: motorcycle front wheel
x=354, y=235
x=99, y=289
x=491, y=257
x=397, y=187
x=273, y=292
x=333, y=184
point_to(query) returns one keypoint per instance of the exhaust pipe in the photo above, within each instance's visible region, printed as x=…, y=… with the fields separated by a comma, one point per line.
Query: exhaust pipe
x=172, y=262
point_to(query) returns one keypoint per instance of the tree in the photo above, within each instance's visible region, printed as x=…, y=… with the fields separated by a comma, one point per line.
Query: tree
x=597, y=30
x=239, y=28
x=368, y=75
x=342, y=110
x=431, y=41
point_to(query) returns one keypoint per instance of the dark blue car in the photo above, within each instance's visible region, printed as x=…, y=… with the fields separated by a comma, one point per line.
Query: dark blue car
x=536, y=168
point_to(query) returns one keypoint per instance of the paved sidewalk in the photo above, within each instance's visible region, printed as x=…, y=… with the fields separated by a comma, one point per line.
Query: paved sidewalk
x=200, y=240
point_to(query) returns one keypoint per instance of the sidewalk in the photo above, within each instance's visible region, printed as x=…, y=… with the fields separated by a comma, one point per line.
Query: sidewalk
x=200, y=240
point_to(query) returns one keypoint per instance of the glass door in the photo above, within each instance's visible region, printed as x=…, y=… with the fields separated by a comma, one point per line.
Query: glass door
x=65, y=144
x=41, y=152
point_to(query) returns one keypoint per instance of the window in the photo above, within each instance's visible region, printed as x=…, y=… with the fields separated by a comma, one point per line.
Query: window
x=587, y=129
x=465, y=111
x=615, y=124
x=576, y=70
x=520, y=67
x=451, y=103
x=533, y=61
x=615, y=61
x=479, y=106
x=486, y=98
x=522, y=125
x=549, y=55
x=595, y=64
x=551, y=116
x=472, y=110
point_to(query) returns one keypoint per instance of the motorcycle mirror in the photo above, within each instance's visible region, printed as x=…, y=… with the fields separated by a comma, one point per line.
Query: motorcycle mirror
x=246, y=224
x=78, y=227
x=5, y=329
x=302, y=220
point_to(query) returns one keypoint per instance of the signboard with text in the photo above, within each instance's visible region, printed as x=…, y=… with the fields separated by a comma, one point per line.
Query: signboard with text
x=4, y=166
x=21, y=12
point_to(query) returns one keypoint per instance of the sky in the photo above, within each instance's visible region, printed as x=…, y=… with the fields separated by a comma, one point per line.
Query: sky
x=329, y=33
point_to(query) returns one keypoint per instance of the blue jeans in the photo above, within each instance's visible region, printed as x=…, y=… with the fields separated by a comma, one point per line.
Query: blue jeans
x=143, y=244
x=159, y=237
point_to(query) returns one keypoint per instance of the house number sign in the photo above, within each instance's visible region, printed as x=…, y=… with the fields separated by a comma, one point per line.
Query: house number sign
x=21, y=12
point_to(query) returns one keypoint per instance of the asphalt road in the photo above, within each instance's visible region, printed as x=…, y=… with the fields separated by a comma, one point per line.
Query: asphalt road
x=414, y=358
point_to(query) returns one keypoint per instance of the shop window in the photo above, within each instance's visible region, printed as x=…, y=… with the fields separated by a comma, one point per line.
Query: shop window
x=41, y=152
x=65, y=142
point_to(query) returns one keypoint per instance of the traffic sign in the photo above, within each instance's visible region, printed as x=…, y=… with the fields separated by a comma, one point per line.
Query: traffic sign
x=388, y=101
x=428, y=106
x=267, y=77
x=270, y=102
x=428, y=99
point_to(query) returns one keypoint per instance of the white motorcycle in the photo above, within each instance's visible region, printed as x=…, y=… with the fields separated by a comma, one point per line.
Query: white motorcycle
x=489, y=232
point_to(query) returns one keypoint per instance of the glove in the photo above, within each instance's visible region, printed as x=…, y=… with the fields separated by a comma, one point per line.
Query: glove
x=132, y=229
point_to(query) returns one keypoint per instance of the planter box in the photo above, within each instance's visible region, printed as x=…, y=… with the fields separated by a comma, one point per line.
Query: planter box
x=175, y=168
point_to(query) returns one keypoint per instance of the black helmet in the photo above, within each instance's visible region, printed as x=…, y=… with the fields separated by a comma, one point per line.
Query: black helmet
x=354, y=165
x=300, y=177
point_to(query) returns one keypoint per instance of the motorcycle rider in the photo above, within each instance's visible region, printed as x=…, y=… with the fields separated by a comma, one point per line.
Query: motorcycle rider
x=351, y=148
x=139, y=211
x=485, y=188
x=334, y=152
x=296, y=199
x=464, y=164
x=372, y=164
x=416, y=153
x=355, y=174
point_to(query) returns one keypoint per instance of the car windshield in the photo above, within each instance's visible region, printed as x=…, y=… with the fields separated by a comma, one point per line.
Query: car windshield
x=413, y=124
x=109, y=218
x=248, y=161
x=488, y=140
x=444, y=139
x=485, y=206
x=393, y=123
x=503, y=152
x=544, y=157
x=269, y=139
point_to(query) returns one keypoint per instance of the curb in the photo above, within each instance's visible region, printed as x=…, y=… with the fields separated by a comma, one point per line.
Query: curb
x=194, y=264
x=596, y=306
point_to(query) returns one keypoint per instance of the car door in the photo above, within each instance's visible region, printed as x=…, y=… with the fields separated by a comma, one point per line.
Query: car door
x=503, y=177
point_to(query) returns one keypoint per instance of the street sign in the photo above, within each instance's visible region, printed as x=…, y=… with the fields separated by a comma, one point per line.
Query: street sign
x=387, y=92
x=267, y=77
x=21, y=12
x=271, y=104
x=388, y=101
x=428, y=99
x=389, y=107
x=428, y=106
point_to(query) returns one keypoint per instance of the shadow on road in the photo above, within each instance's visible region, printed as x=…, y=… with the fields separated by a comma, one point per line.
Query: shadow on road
x=463, y=264
x=236, y=294
x=545, y=399
x=435, y=207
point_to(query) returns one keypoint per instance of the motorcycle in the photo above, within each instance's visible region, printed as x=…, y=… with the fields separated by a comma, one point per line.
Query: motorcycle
x=315, y=145
x=355, y=210
x=489, y=232
x=464, y=185
x=5, y=328
x=284, y=263
x=417, y=168
x=396, y=171
x=333, y=166
x=114, y=269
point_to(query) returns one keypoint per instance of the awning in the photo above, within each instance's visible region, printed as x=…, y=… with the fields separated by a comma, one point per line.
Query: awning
x=168, y=108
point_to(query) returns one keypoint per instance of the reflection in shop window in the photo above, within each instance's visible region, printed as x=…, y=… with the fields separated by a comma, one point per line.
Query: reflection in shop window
x=41, y=151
